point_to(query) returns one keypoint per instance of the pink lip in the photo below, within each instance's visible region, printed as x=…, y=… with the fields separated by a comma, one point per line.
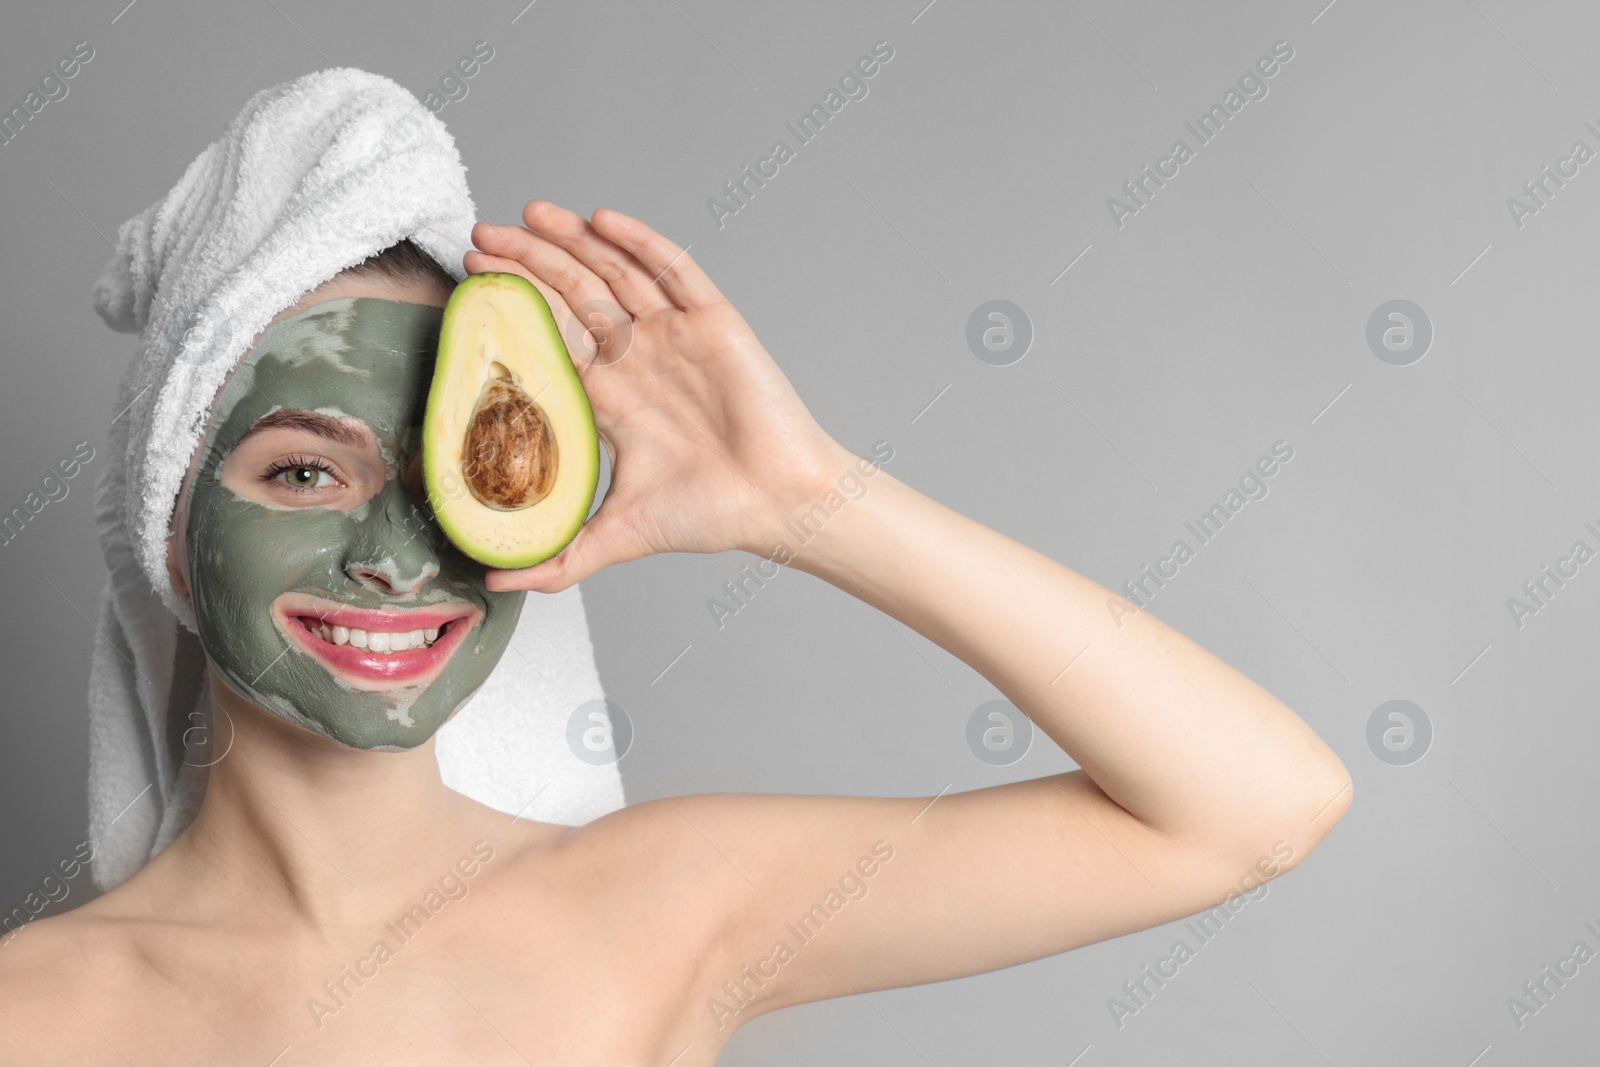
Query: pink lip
x=296, y=614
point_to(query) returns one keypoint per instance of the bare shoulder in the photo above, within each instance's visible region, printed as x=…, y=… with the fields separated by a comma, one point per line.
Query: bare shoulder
x=662, y=842
x=31, y=954
x=664, y=866
x=641, y=852
x=644, y=868
x=46, y=968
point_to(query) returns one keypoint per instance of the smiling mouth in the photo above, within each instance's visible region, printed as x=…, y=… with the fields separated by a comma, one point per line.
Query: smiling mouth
x=375, y=650
x=387, y=642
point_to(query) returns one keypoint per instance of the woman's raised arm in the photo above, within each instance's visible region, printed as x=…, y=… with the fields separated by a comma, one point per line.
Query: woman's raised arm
x=1196, y=783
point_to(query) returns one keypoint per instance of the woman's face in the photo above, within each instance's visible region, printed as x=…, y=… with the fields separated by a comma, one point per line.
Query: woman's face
x=311, y=551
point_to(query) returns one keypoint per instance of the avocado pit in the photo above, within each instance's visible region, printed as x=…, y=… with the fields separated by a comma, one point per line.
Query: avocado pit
x=513, y=455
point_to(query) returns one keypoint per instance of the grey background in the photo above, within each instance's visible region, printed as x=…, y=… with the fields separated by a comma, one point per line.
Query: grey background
x=1228, y=314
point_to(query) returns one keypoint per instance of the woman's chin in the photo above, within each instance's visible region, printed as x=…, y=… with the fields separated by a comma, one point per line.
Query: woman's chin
x=388, y=736
x=389, y=728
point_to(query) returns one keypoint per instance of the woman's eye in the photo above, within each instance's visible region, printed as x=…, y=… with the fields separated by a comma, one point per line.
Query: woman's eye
x=308, y=478
x=303, y=476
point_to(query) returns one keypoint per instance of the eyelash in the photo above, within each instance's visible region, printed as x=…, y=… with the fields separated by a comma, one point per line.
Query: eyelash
x=295, y=463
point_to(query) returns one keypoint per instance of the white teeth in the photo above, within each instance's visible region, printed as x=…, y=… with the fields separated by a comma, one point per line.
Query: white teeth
x=376, y=641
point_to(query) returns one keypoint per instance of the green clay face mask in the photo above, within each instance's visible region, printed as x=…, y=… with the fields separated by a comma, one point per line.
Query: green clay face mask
x=337, y=532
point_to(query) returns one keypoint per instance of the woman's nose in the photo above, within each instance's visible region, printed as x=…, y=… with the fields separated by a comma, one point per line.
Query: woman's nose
x=393, y=552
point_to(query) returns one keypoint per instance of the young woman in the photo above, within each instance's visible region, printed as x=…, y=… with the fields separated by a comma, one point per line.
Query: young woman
x=650, y=934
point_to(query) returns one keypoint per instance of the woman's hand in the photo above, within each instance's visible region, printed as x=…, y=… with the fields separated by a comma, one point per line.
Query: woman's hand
x=710, y=445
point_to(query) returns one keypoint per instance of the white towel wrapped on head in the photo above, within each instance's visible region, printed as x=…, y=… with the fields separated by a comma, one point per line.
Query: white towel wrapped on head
x=311, y=177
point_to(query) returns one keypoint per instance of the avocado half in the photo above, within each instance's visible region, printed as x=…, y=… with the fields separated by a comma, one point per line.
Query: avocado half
x=510, y=456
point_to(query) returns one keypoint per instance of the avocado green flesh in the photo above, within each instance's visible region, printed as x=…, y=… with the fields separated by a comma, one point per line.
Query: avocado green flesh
x=495, y=323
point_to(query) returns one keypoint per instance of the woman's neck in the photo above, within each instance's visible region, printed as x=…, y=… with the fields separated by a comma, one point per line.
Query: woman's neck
x=294, y=822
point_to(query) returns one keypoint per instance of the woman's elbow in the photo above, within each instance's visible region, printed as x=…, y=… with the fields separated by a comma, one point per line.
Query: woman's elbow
x=1285, y=817
x=1301, y=824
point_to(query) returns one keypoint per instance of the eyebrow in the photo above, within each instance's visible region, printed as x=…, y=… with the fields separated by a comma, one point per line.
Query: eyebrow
x=311, y=422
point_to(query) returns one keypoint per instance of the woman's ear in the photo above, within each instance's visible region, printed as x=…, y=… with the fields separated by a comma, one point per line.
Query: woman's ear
x=177, y=550
x=177, y=564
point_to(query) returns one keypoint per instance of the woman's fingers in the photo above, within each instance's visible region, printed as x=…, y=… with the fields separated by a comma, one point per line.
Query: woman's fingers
x=643, y=270
x=600, y=542
x=668, y=264
x=635, y=289
x=476, y=261
x=553, y=264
